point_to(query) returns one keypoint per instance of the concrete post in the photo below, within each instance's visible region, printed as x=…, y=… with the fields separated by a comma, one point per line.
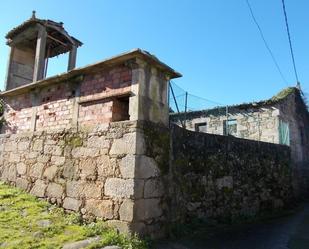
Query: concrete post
x=34, y=96
x=72, y=58
x=75, y=110
x=39, y=63
x=8, y=72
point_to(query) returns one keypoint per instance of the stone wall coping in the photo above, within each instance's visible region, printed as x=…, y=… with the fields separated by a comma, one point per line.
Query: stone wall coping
x=230, y=138
x=107, y=96
x=133, y=124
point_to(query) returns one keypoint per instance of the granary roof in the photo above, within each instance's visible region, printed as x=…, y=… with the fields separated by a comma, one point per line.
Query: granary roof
x=56, y=34
x=107, y=63
x=221, y=110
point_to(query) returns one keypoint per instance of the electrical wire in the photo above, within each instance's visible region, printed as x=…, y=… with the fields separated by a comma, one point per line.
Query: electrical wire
x=265, y=42
x=290, y=42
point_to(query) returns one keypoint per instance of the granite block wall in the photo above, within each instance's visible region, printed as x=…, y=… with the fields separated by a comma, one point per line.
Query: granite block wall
x=81, y=172
x=110, y=172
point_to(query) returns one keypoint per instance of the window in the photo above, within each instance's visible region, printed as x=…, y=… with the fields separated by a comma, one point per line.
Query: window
x=230, y=127
x=201, y=127
x=120, y=109
x=284, y=133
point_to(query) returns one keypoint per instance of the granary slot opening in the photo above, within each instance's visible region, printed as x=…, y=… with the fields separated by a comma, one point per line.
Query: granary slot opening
x=120, y=109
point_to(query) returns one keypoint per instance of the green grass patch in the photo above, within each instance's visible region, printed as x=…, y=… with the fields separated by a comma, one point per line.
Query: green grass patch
x=26, y=222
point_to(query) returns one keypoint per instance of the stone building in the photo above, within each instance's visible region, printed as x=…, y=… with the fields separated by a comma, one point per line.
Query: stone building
x=96, y=140
x=104, y=92
x=283, y=119
x=77, y=138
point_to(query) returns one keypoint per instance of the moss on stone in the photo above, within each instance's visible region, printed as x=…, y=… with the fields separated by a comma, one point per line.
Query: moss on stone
x=221, y=110
x=158, y=145
x=283, y=94
x=1, y=107
x=26, y=222
x=2, y=120
x=74, y=141
x=227, y=190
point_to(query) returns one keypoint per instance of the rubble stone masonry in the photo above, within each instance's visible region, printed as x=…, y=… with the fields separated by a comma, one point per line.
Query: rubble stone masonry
x=226, y=178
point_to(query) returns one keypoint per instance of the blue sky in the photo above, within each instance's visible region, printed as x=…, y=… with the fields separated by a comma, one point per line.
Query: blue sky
x=214, y=44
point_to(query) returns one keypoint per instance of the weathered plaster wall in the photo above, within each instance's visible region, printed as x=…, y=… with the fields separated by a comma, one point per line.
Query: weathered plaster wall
x=226, y=178
x=149, y=100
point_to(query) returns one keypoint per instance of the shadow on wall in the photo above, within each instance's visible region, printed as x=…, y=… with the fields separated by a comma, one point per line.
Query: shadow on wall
x=226, y=178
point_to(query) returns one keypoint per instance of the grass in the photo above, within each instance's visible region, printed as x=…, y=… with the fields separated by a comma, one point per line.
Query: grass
x=283, y=93
x=26, y=222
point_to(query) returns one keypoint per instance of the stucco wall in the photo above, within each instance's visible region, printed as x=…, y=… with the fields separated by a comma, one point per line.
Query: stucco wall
x=226, y=178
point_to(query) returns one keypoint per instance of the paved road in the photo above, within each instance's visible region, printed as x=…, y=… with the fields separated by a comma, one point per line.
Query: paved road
x=291, y=232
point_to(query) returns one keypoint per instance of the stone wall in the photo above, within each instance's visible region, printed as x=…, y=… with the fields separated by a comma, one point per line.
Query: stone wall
x=260, y=124
x=66, y=140
x=294, y=111
x=83, y=172
x=111, y=172
x=140, y=176
x=226, y=178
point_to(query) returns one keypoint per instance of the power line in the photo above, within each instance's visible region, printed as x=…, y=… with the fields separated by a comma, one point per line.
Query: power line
x=290, y=42
x=265, y=42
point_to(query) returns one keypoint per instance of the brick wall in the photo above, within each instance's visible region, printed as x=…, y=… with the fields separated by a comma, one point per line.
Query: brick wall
x=53, y=107
x=18, y=114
